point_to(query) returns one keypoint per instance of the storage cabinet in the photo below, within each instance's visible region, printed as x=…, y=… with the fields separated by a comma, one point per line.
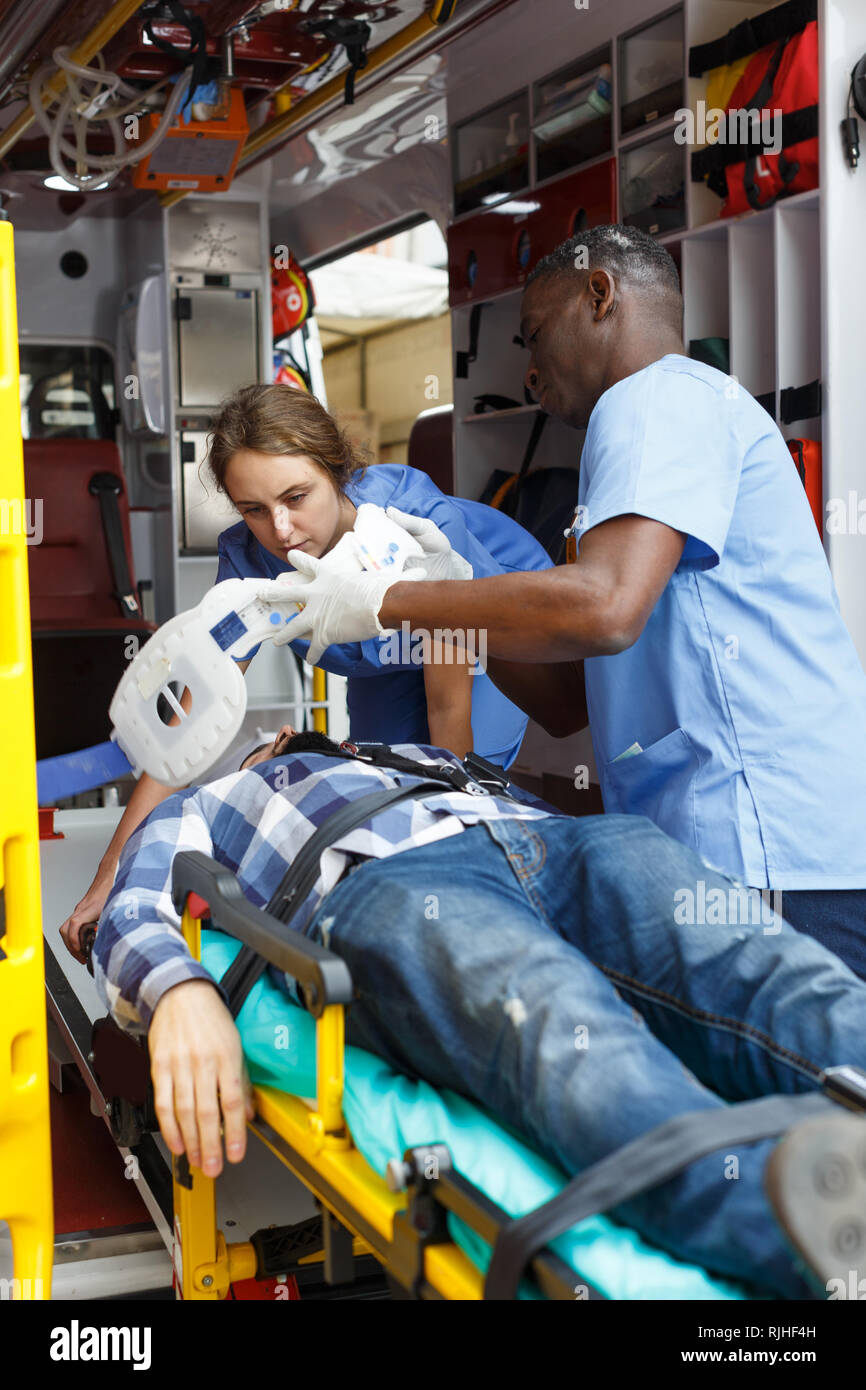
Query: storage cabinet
x=651, y=72
x=491, y=154
x=573, y=115
x=652, y=185
x=752, y=285
x=494, y=251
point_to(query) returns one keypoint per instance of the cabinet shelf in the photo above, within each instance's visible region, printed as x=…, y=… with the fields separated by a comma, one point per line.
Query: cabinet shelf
x=717, y=226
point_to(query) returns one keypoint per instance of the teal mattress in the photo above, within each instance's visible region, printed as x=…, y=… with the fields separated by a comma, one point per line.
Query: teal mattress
x=387, y=1113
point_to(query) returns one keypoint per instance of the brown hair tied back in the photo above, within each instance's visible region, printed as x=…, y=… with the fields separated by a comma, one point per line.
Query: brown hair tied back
x=278, y=420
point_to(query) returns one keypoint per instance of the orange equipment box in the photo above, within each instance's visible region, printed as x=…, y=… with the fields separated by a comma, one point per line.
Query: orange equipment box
x=201, y=155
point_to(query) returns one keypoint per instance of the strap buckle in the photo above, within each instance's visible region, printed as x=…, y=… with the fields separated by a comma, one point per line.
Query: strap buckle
x=489, y=777
x=847, y=1085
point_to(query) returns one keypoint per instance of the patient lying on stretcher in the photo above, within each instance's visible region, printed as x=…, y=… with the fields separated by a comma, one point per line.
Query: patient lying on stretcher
x=531, y=961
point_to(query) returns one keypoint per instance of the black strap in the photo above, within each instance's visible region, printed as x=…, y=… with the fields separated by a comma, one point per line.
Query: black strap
x=356, y=52
x=796, y=450
x=354, y=35
x=464, y=359
x=534, y=437
x=796, y=127
x=196, y=55
x=768, y=402
x=509, y=503
x=300, y=878
x=782, y=22
x=477, y=775
x=646, y=1161
x=108, y=487
x=474, y=775
x=800, y=402
x=488, y=400
x=759, y=103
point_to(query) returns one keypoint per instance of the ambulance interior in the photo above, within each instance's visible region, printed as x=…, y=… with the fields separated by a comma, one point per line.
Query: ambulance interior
x=348, y=198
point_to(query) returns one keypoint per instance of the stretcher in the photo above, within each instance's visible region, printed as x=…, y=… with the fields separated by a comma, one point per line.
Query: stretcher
x=432, y=1239
x=426, y=1182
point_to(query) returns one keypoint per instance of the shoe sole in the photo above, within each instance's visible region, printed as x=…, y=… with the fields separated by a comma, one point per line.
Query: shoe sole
x=815, y=1179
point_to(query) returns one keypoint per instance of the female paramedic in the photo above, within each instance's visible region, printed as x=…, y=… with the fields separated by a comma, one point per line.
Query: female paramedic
x=296, y=481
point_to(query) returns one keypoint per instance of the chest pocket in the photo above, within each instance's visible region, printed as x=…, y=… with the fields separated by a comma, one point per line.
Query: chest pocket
x=658, y=783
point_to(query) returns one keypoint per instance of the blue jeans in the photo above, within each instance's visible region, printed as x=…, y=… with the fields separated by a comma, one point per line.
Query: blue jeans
x=834, y=916
x=540, y=969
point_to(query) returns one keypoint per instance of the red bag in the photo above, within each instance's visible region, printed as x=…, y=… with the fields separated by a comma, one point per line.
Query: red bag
x=806, y=454
x=781, y=77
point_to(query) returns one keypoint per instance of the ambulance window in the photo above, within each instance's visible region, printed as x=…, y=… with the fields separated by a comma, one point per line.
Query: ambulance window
x=67, y=391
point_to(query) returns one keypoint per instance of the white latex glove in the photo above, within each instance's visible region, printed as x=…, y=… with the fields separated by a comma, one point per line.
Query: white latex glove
x=345, y=558
x=339, y=604
x=440, y=561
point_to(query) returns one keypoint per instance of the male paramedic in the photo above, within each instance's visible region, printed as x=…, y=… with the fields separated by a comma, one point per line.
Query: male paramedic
x=544, y=924
x=699, y=631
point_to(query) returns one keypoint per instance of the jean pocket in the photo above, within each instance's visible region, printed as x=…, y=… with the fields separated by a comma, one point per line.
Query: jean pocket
x=658, y=783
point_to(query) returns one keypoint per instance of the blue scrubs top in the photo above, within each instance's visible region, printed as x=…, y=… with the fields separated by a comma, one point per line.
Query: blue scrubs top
x=393, y=707
x=744, y=691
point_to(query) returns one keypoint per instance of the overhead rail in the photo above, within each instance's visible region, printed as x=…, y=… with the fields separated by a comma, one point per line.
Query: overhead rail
x=95, y=41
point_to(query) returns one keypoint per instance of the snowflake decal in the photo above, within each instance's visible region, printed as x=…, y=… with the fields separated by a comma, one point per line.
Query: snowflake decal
x=214, y=243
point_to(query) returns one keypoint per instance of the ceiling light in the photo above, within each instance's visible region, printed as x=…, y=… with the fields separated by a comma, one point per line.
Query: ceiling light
x=63, y=186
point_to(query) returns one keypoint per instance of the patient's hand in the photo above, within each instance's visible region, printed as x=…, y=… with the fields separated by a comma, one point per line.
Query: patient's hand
x=199, y=1076
x=86, y=914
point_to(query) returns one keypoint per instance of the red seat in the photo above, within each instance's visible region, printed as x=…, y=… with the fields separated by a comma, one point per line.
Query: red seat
x=81, y=629
x=71, y=580
x=431, y=447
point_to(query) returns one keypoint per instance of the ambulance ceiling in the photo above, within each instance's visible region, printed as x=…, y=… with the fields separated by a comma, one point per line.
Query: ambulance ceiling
x=281, y=47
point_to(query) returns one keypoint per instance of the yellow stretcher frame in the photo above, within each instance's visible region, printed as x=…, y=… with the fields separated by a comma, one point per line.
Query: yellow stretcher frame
x=406, y=1232
x=315, y=1145
x=25, y=1136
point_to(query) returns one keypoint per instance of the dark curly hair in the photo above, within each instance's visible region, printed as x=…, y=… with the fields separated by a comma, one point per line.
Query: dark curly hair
x=630, y=255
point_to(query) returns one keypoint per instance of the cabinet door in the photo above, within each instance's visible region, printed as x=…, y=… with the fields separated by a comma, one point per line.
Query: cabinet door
x=205, y=512
x=217, y=338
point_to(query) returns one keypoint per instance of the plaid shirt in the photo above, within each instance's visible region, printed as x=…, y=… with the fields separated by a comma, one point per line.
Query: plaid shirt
x=255, y=822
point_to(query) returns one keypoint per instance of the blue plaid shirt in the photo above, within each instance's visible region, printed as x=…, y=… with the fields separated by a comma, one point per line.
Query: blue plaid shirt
x=255, y=822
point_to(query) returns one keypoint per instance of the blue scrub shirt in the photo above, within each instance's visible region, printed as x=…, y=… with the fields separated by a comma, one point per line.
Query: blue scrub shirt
x=392, y=708
x=744, y=690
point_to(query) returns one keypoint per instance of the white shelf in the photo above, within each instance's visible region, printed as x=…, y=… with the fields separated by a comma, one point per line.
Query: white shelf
x=646, y=132
x=717, y=227
x=751, y=295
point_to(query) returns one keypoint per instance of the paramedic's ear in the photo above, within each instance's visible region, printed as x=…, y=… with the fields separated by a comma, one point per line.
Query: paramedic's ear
x=603, y=294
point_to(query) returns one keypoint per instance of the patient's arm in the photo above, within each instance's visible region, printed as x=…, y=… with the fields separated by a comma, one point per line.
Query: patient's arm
x=146, y=797
x=139, y=952
x=148, y=794
x=200, y=1081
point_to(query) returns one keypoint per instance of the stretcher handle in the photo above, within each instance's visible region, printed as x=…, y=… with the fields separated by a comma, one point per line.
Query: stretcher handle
x=86, y=940
x=323, y=976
